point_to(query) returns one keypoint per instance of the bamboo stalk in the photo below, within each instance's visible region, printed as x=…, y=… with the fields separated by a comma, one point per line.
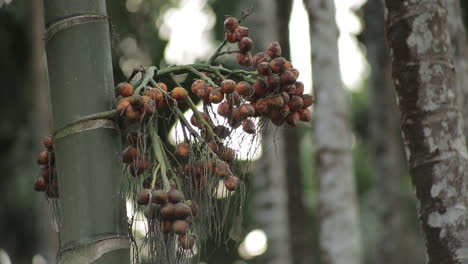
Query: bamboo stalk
x=93, y=227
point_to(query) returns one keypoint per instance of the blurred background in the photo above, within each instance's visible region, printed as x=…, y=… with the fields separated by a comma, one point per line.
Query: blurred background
x=163, y=32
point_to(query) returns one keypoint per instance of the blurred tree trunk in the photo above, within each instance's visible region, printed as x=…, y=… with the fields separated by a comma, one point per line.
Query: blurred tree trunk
x=271, y=197
x=299, y=226
x=47, y=242
x=385, y=142
x=424, y=79
x=340, y=240
x=93, y=223
x=460, y=55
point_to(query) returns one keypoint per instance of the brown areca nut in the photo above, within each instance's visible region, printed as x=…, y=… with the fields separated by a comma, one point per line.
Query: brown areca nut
x=124, y=89
x=235, y=120
x=227, y=154
x=149, y=107
x=278, y=65
x=308, y=100
x=138, y=167
x=299, y=89
x=285, y=110
x=259, y=58
x=244, y=89
x=245, y=44
x=43, y=158
x=159, y=197
x=41, y=184
x=274, y=50
x=179, y=93
x=216, y=96
x=221, y=131
x=197, y=84
x=228, y=86
x=180, y=227
x=260, y=88
x=157, y=96
x=276, y=117
x=48, y=143
x=47, y=173
x=261, y=107
x=225, y=109
x=285, y=97
x=175, y=196
x=143, y=197
x=295, y=103
x=294, y=71
x=123, y=104
x=129, y=154
x=222, y=169
x=290, y=89
x=132, y=114
x=287, y=77
x=275, y=102
x=234, y=99
x=186, y=241
x=288, y=65
x=182, y=211
x=243, y=31
x=194, y=120
x=163, y=86
x=231, y=23
x=204, y=93
x=244, y=59
x=231, y=183
x=137, y=102
x=213, y=146
x=167, y=211
x=248, y=126
x=273, y=82
x=264, y=69
x=232, y=36
x=183, y=150
x=143, y=164
x=305, y=115
x=293, y=118
x=246, y=110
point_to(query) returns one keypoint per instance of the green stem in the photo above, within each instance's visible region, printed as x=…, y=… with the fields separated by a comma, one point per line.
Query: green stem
x=149, y=76
x=201, y=119
x=188, y=125
x=197, y=67
x=219, y=75
x=189, y=69
x=216, y=53
x=194, y=108
x=159, y=153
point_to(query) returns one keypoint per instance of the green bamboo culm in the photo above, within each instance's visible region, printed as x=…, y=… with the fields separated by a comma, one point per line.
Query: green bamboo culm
x=92, y=216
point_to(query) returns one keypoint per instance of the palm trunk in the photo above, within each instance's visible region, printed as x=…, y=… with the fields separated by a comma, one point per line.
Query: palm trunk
x=385, y=142
x=93, y=225
x=271, y=206
x=340, y=240
x=299, y=227
x=460, y=55
x=424, y=79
